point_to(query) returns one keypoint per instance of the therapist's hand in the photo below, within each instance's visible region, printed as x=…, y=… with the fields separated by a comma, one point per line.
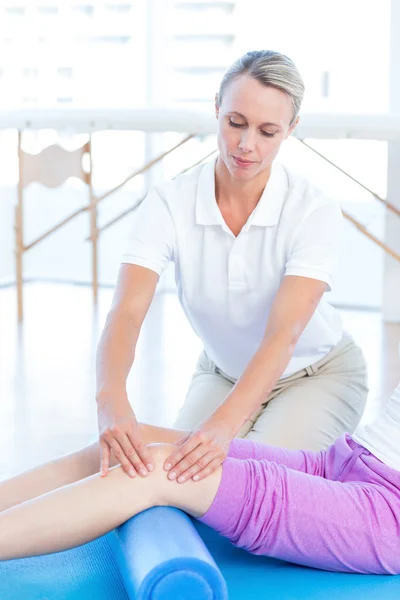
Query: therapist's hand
x=200, y=452
x=120, y=435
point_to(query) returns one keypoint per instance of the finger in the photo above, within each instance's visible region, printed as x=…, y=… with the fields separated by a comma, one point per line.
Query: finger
x=201, y=464
x=143, y=452
x=133, y=460
x=169, y=461
x=104, y=458
x=210, y=468
x=184, y=439
x=188, y=461
x=127, y=454
x=121, y=458
x=192, y=443
x=132, y=455
x=142, y=457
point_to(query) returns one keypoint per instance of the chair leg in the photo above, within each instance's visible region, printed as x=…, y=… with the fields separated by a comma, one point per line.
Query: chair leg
x=20, y=302
x=18, y=260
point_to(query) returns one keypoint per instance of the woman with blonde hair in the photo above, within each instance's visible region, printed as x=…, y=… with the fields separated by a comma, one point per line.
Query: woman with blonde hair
x=254, y=246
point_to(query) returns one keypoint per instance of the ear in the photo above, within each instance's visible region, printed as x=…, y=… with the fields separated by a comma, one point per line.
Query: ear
x=292, y=128
x=216, y=106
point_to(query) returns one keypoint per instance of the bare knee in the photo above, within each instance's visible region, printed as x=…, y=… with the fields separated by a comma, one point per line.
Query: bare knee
x=160, y=453
x=192, y=497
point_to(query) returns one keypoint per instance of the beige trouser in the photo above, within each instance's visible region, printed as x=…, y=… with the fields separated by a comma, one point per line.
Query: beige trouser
x=308, y=410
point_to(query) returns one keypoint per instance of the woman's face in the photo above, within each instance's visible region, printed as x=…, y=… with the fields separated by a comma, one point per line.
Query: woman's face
x=253, y=121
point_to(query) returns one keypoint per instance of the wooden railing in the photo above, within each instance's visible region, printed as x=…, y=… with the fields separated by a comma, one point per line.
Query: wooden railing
x=377, y=127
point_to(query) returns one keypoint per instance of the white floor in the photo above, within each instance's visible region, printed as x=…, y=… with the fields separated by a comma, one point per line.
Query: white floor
x=47, y=368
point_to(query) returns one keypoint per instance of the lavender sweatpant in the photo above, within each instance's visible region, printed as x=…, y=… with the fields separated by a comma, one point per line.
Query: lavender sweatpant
x=337, y=509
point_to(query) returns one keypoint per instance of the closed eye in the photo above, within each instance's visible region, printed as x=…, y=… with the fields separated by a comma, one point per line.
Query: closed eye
x=233, y=124
x=270, y=135
x=241, y=125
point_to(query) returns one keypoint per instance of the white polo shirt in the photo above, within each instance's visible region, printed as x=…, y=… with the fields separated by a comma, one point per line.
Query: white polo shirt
x=227, y=284
x=382, y=437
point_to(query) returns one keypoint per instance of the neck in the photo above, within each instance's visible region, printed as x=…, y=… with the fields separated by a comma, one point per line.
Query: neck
x=237, y=194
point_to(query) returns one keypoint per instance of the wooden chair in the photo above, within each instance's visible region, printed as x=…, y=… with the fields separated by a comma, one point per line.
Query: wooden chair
x=51, y=167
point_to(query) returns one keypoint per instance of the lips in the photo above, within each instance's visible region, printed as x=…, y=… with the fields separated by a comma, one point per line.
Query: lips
x=242, y=162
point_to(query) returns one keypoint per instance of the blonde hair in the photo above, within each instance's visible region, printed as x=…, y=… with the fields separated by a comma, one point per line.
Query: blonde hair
x=271, y=69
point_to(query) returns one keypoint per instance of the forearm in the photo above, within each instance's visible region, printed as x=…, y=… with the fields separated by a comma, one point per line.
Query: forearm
x=115, y=353
x=257, y=380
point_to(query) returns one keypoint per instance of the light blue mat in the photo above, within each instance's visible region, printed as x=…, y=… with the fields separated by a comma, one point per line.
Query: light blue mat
x=94, y=571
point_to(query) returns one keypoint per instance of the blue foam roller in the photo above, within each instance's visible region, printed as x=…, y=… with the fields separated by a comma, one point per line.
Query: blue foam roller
x=161, y=556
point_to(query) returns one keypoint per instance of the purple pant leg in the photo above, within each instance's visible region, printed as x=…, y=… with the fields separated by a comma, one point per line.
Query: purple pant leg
x=270, y=509
x=300, y=460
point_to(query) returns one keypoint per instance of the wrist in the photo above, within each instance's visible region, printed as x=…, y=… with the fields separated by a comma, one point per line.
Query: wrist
x=222, y=420
x=231, y=415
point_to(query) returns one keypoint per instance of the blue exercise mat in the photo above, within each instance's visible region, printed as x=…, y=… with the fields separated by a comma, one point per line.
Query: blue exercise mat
x=119, y=567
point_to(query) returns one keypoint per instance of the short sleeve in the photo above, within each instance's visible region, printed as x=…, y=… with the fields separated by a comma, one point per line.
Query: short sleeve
x=315, y=248
x=151, y=240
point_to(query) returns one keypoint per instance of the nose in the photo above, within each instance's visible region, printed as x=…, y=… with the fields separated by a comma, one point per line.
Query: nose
x=247, y=141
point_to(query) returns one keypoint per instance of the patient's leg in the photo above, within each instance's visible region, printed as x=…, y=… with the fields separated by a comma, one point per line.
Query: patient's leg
x=86, y=509
x=68, y=469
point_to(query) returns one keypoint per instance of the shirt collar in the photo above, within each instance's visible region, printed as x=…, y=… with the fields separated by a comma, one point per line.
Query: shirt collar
x=269, y=207
x=267, y=211
x=207, y=211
